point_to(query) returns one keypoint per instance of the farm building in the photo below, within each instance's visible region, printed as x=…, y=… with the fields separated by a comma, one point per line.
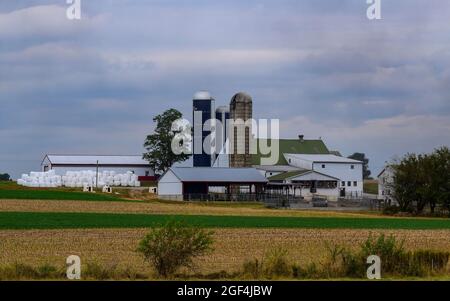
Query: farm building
x=184, y=183
x=303, y=167
x=385, y=184
x=304, y=183
x=120, y=164
x=300, y=155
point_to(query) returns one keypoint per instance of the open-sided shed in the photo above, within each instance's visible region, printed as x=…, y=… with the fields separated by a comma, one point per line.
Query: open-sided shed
x=179, y=183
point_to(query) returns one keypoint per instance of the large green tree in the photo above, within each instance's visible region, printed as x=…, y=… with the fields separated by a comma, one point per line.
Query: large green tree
x=160, y=154
x=5, y=177
x=362, y=157
x=423, y=180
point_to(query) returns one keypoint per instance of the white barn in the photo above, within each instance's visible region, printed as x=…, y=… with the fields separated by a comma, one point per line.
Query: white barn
x=348, y=171
x=120, y=164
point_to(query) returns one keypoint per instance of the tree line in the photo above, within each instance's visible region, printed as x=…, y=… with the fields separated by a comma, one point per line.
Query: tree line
x=422, y=181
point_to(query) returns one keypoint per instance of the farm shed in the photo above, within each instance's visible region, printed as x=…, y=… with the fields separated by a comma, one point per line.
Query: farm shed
x=304, y=183
x=181, y=183
x=120, y=164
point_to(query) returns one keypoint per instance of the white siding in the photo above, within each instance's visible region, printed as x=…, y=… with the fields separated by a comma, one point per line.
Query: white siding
x=170, y=185
x=297, y=162
x=140, y=171
x=385, y=182
x=344, y=173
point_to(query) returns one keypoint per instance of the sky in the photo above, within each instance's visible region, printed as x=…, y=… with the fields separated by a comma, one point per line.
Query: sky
x=92, y=86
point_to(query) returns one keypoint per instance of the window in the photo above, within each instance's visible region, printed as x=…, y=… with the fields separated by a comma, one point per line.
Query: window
x=355, y=183
x=289, y=160
x=352, y=166
x=147, y=173
x=323, y=165
x=349, y=183
x=343, y=184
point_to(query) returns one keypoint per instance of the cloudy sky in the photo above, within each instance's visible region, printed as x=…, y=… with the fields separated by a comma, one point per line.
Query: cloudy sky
x=92, y=86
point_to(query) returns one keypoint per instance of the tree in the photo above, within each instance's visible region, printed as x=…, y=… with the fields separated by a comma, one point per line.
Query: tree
x=362, y=157
x=160, y=154
x=423, y=180
x=173, y=246
x=5, y=177
x=441, y=177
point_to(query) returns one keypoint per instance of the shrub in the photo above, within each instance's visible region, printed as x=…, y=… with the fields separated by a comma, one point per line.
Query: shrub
x=173, y=246
x=428, y=262
x=131, y=274
x=253, y=269
x=48, y=271
x=394, y=259
x=276, y=264
x=311, y=271
x=18, y=271
x=332, y=266
x=390, y=251
x=96, y=271
x=391, y=210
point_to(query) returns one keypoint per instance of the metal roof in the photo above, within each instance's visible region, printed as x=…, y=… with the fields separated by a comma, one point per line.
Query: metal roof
x=92, y=160
x=218, y=174
x=289, y=174
x=277, y=168
x=291, y=146
x=323, y=158
x=294, y=174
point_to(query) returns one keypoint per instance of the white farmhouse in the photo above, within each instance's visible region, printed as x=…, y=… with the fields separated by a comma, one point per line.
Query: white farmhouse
x=385, y=184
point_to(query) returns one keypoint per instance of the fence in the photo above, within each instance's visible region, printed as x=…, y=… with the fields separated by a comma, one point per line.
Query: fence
x=286, y=201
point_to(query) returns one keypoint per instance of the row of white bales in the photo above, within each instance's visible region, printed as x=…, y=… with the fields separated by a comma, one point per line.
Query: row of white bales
x=78, y=179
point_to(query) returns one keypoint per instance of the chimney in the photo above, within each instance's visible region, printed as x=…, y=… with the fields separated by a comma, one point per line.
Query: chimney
x=300, y=137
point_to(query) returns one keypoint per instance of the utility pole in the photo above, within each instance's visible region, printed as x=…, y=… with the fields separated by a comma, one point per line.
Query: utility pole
x=96, y=178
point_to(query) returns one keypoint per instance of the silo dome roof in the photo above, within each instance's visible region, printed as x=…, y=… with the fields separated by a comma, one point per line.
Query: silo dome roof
x=202, y=95
x=223, y=109
x=241, y=97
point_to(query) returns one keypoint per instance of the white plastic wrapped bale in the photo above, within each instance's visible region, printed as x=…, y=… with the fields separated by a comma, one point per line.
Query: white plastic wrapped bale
x=40, y=179
x=78, y=179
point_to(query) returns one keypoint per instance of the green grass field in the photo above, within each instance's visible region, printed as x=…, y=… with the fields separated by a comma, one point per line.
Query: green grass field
x=46, y=220
x=55, y=195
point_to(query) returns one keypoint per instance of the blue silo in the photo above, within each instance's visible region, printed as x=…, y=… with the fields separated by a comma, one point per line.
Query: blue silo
x=203, y=103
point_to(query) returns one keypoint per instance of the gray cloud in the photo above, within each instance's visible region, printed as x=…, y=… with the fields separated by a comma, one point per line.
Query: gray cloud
x=93, y=86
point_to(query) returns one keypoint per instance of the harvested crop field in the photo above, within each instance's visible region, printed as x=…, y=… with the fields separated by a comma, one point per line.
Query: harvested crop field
x=162, y=207
x=232, y=246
